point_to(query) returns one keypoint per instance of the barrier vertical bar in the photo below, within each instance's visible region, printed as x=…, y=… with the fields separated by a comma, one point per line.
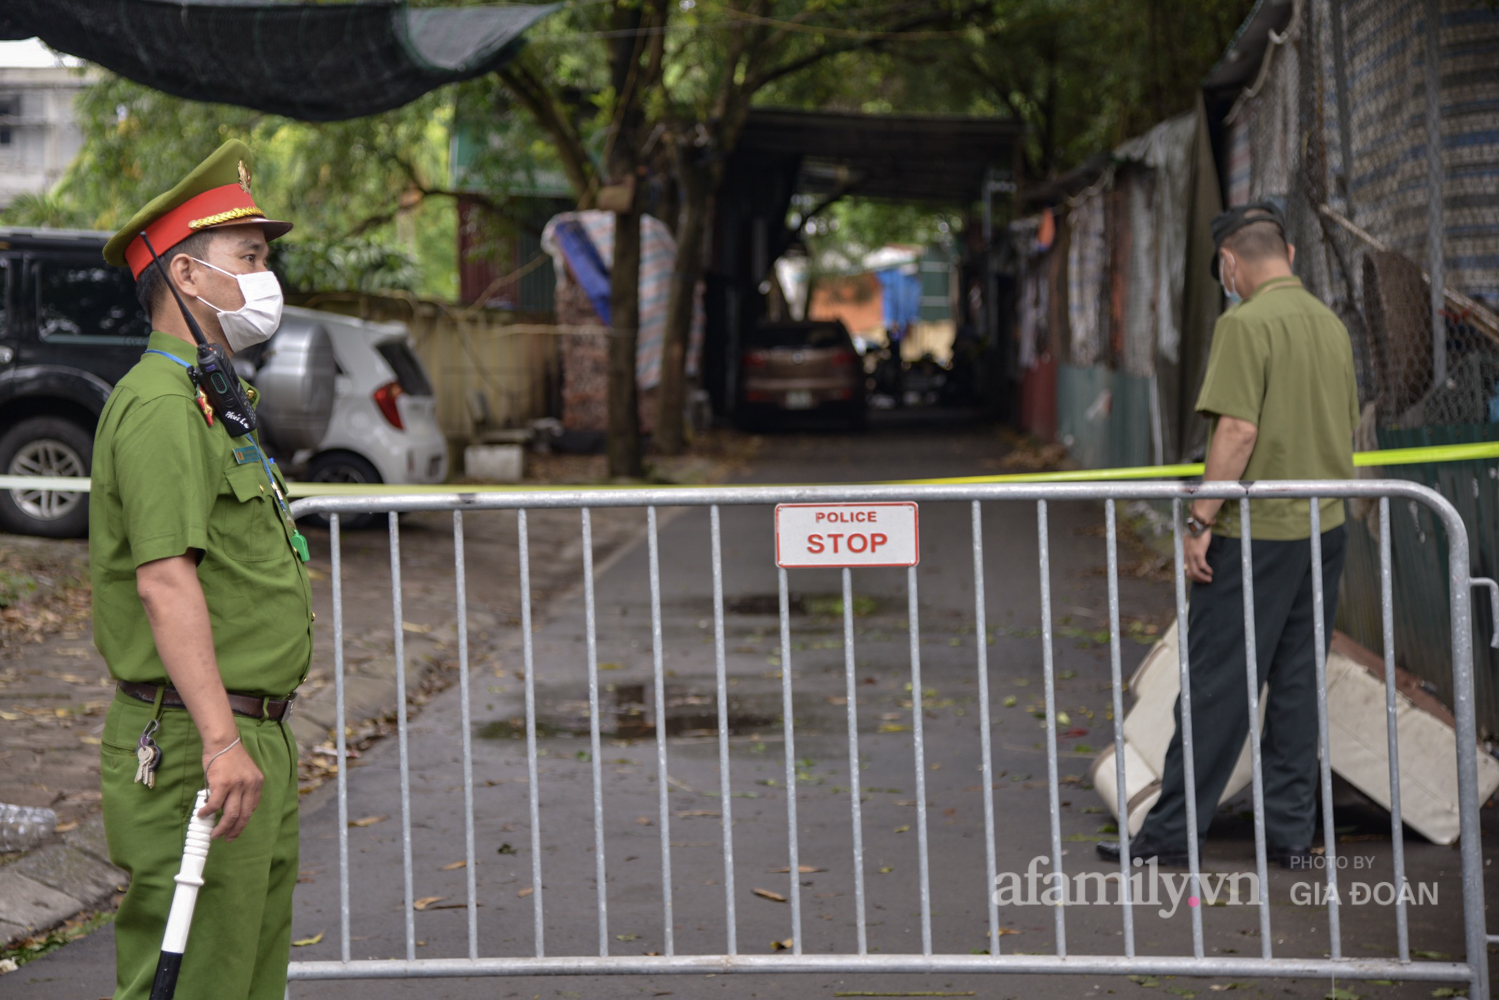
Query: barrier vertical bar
x=788, y=728
x=594, y=745
x=460, y=576
x=1252, y=672
x=1470, y=837
x=1116, y=676
x=919, y=748
x=400, y=653
x=725, y=783
x=1392, y=735
x=1058, y=877
x=981, y=629
x=1189, y=769
x=341, y=741
x=855, y=807
x=1329, y=836
x=663, y=808
x=533, y=786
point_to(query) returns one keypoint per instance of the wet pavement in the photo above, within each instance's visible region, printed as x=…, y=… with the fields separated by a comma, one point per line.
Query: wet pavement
x=507, y=848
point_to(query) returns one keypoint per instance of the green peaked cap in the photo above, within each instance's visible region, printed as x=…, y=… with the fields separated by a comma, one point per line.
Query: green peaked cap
x=217, y=192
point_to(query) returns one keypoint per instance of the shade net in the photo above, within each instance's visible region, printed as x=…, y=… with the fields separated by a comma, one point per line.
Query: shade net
x=311, y=61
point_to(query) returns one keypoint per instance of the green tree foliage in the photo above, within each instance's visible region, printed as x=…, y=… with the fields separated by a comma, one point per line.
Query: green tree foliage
x=1083, y=75
x=378, y=184
x=354, y=264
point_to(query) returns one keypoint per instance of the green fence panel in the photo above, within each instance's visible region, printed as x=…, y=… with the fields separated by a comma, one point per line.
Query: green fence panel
x=1422, y=625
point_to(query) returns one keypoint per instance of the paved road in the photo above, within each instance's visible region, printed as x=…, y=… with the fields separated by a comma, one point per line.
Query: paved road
x=626, y=768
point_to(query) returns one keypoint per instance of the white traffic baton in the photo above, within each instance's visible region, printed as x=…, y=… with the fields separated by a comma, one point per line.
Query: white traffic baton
x=184, y=900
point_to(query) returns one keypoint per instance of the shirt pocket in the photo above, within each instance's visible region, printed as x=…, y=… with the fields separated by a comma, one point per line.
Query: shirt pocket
x=246, y=526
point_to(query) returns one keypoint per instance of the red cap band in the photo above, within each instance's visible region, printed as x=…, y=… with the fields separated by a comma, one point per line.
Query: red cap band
x=215, y=207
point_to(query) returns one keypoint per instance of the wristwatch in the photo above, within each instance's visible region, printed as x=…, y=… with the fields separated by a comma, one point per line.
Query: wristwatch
x=1195, y=525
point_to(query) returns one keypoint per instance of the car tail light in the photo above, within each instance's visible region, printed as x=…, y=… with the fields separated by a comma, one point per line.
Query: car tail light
x=844, y=359
x=385, y=397
x=755, y=359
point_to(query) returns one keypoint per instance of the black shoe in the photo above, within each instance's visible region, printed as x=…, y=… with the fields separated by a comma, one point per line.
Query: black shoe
x=1295, y=858
x=1144, y=848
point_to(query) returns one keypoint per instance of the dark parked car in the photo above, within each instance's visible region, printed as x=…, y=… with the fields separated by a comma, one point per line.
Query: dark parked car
x=801, y=367
x=70, y=327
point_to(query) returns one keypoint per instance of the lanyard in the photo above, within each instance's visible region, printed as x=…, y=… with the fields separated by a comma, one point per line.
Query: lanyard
x=298, y=541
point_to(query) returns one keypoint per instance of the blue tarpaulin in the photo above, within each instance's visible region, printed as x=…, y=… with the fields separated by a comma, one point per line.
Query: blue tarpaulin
x=586, y=264
x=902, y=297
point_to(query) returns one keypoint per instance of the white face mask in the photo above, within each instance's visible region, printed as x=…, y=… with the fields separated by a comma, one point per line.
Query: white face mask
x=1230, y=287
x=255, y=321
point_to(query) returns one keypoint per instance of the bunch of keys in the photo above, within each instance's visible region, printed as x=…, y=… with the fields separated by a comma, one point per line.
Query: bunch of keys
x=148, y=754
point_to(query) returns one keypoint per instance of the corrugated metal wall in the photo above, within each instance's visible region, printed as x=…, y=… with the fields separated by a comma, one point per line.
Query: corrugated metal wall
x=1423, y=643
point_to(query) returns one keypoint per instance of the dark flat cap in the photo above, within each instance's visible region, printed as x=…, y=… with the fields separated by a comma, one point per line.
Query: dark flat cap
x=1225, y=224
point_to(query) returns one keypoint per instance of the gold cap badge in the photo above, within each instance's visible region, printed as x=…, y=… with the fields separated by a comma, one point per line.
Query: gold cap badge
x=244, y=177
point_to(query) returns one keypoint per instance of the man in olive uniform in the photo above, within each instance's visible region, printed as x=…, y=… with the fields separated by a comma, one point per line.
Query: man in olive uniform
x=1281, y=395
x=202, y=607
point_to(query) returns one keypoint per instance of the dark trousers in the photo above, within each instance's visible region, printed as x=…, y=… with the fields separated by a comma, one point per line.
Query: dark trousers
x=1285, y=649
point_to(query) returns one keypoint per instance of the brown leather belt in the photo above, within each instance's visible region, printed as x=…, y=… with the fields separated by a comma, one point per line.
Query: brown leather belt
x=275, y=709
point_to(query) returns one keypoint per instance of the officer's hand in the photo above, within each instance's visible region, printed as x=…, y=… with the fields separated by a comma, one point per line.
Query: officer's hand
x=1195, y=555
x=233, y=786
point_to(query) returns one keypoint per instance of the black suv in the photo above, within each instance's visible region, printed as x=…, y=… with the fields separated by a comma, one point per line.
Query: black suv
x=70, y=328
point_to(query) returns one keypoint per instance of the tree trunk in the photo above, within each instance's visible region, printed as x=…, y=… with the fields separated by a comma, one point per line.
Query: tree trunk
x=671, y=437
x=624, y=276
x=624, y=399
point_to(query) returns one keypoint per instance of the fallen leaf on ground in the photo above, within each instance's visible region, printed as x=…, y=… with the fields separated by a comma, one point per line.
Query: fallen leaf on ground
x=786, y=870
x=627, y=937
x=307, y=941
x=414, y=627
x=426, y=901
x=784, y=945
x=894, y=727
x=609, y=666
x=696, y=812
x=903, y=829
x=774, y=897
x=644, y=821
x=887, y=869
x=523, y=893
x=368, y=820
x=66, y=827
x=455, y=865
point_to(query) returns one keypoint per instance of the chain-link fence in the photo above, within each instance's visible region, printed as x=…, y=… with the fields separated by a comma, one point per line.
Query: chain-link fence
x=1377, y=123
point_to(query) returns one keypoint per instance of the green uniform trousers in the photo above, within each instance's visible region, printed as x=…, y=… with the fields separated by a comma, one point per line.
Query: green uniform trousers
x=240, y=940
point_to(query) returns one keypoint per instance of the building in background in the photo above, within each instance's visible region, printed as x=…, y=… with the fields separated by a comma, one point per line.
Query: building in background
x=39, y=132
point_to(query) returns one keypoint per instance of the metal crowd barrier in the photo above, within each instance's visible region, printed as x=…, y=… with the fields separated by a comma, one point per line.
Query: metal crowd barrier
x=1473, y=970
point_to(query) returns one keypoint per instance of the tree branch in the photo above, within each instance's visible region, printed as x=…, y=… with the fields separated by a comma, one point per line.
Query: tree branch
x=534, y=96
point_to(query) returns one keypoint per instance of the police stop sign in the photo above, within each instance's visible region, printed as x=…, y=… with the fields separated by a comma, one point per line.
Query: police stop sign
x=846, y=534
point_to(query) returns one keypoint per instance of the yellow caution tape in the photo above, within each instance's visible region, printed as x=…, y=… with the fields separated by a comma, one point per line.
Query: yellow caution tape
x=1481, y=451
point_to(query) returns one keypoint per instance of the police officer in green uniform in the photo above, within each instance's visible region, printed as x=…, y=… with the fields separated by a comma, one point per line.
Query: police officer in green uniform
x=202, y=606
x=1280, y=392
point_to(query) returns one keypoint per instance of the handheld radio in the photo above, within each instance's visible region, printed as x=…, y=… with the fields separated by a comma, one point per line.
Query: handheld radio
x=214, y=374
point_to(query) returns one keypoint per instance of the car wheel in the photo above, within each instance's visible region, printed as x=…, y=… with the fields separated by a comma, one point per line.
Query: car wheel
x=343, y=467
x=45, y=446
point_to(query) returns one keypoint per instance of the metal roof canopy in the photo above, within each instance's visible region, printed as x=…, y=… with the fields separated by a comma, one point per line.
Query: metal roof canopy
x=924, y=158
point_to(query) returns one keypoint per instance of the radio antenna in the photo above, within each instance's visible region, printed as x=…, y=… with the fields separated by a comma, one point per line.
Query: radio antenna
x=192, y=324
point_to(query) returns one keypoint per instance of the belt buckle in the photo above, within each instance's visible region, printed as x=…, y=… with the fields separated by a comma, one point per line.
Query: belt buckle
x=291, y=700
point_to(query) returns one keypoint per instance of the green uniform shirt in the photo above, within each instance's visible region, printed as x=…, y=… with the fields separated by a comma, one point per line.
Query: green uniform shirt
x=1282, y=361
x=165, y=483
